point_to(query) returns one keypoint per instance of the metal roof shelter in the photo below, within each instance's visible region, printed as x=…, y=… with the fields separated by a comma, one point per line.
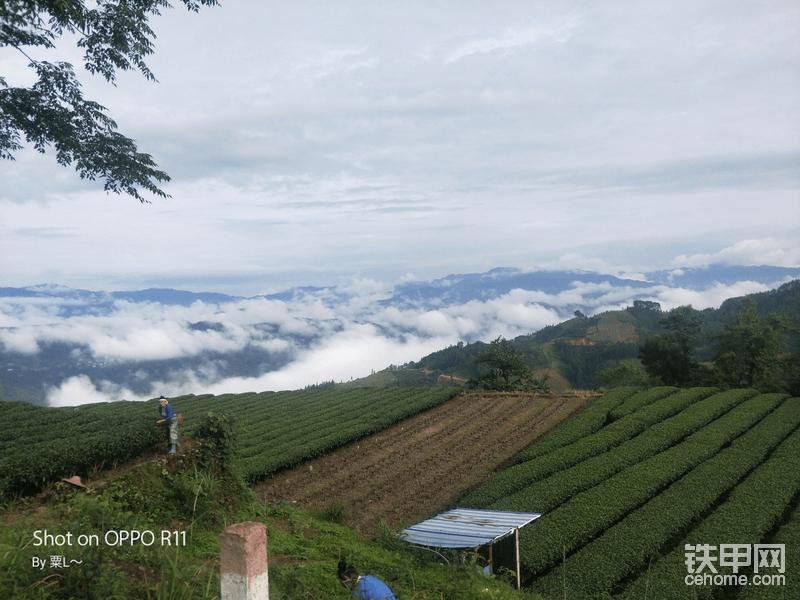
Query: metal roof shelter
x=470, y=528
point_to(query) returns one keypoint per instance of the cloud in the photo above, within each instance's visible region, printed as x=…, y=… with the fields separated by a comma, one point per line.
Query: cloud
x=600, y=124
x=766, y=251
x=711, y=297
x=517, y=37
x=576, y=261
x=320, y=335
x=20, y=341
x=343, y=356
x=79, y=390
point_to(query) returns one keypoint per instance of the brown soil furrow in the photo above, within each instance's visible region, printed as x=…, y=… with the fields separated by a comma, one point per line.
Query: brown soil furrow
x=397, y=445
x=458, y=448
x=412, y=469
x=441, y=478
x=413, y=449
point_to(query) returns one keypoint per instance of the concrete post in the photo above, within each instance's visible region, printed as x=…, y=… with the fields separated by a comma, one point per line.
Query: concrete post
x=243, y=562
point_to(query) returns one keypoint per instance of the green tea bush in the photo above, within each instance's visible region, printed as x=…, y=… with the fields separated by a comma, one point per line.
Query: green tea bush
x=748, y=515
x=627, y=546
x=590, y=513
x=507, y=489
x=592, y=418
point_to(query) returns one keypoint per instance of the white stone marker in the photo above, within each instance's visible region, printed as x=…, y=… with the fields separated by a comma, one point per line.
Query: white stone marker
x=243, y=562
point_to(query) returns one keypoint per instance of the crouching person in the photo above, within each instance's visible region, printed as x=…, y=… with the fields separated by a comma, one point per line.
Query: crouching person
x=364, y=587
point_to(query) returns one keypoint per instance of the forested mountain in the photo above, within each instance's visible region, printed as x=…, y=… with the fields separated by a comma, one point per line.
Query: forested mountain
x=580, y=347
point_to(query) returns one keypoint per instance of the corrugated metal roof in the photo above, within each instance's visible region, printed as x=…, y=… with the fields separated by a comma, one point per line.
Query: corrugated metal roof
x=466, y=528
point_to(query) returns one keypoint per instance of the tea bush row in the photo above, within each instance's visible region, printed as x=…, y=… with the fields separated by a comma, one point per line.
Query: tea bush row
x=500, y=490
x=27, y=468
x=627, y=546
x=591, y=419
x=590, y=513
x=640, y=400
x=281, y=429
x=788, y=535
x=751, y=511
x=549, y=493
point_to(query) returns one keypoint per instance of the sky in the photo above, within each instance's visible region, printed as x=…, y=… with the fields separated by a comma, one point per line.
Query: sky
x=313, y=142
x=363, y=144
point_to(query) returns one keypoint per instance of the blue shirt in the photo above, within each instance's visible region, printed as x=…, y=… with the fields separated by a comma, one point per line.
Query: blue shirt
x=167, y=412
x=372, y=588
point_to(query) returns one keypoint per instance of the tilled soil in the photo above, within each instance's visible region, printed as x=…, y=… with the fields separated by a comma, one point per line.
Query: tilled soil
x=411, y=470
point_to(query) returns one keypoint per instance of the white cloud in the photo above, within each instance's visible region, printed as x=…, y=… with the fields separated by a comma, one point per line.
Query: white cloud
x=350, y=354
x=765, y=251
x=711, y=297
x=576, y=261
x=554, y=131
x=345, y=333
x=79, y=390
x=516, y=37
x=22, y=341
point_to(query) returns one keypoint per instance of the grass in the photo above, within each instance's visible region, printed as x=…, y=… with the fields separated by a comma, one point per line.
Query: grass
x=170, y=496
x=309, y=548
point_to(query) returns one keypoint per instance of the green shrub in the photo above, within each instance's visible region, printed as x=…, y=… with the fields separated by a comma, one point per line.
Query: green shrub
x=503, y=490
x=218, y=439
x=750, y=512
x=592, y=418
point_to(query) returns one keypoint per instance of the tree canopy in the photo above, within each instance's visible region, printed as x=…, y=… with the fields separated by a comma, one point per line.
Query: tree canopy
x=507, y=370
x=115, y=35
x=670, y=355
x=750, y=349
x=627, y=373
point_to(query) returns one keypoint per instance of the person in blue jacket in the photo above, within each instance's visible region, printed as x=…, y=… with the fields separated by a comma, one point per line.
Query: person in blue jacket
x=364, y=587
x=170, y=420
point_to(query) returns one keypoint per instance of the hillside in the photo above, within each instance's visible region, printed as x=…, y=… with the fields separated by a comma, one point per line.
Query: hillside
x=192, y=503
x=41, y=445
x=623, y=485
x=575, y=350
x=410, y=470
x=635, y=480
x=396, y=473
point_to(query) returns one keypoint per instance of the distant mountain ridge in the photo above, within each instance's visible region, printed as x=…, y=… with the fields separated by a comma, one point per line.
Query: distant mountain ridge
x=497, y=282
x=452, y=289
x=459, y=289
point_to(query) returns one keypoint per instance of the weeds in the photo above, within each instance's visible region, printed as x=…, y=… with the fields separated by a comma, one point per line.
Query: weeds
x=184, y=581
x=387, y=539
x=95, y=469
x=336, y=511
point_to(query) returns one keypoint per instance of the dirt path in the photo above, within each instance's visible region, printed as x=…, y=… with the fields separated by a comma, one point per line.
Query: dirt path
x=408, y=472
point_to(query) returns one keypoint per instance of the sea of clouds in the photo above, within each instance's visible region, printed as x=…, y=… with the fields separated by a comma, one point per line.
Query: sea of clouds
x=330, y=334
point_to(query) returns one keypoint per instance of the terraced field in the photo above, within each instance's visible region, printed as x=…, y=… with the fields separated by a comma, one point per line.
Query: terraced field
x=628, y=483
x=279, y=429
x=413, y=468
x=666, y=471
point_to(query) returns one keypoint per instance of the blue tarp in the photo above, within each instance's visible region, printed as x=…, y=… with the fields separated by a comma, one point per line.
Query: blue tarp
x=466, y=528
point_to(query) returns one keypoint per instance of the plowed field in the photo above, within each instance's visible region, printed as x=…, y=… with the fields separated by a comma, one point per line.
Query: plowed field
x=409, y=471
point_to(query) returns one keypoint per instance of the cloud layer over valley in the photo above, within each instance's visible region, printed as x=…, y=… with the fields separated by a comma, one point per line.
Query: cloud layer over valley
x=171, y=345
